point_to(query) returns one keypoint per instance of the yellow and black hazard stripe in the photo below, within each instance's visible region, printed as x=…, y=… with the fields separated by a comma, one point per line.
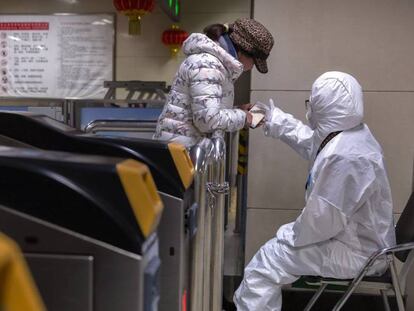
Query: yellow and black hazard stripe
x=243, y=152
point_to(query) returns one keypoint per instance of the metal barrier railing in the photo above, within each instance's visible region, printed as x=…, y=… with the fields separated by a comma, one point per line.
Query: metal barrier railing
x=217, y=188
x=136, y=94
x=201, y=156
x=209, y=157
x=69, y=109
x=120, y=126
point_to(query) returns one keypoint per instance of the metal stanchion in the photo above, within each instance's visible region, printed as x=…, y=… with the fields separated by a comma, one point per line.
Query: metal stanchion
x=218, y=188
x=207, y=247
x=209, y=158
x=200, y=155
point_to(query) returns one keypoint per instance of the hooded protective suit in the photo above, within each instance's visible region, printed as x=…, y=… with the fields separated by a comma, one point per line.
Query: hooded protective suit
x=348, y=211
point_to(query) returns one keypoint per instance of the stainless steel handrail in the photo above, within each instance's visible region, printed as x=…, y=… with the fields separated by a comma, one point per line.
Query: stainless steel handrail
x=217, y=188
x=71, y=106
x=209, y=158
x=201, y=156
x=120, y=126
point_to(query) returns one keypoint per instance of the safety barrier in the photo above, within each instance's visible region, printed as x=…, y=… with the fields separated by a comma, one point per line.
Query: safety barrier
x=120, y=126
x=209, y=157
x=137, y=94
x=201, y=156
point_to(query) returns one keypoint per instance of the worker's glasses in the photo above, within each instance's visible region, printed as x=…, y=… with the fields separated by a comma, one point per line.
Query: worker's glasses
x=307, y=104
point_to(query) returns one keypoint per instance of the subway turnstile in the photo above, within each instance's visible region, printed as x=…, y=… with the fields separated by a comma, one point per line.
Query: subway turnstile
x=87, y=227
x=171, y=169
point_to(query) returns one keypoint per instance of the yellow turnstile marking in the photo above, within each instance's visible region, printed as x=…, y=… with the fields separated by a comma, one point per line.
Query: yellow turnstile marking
x=17, y=288
x=142, y=194
x=183, y=163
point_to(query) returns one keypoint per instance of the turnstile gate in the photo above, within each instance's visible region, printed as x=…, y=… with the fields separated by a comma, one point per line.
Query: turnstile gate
x=87, y=226
x=172, y=171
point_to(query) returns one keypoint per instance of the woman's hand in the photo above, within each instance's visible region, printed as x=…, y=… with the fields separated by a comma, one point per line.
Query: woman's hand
x=246, y=107
x=249, y=119
x=249, y=116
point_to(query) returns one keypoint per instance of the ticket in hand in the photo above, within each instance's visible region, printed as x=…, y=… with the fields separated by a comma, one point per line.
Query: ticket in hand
x=258, y=115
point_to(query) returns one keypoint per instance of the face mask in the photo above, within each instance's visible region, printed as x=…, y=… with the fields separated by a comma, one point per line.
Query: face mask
x=310, y=119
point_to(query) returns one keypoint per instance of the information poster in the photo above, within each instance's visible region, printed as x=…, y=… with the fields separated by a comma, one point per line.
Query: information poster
x=56, y=56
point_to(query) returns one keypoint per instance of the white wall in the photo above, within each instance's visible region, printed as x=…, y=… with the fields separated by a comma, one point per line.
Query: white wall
x=371, y=39
x=141, y=57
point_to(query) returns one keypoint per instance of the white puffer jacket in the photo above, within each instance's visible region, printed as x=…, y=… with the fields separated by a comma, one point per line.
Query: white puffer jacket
x=202, y=94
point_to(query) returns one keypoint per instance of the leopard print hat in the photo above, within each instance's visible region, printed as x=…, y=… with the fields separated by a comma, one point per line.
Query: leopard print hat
x=254, y=39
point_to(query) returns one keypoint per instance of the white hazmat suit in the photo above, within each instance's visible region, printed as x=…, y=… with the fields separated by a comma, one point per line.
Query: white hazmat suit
x=348, y=210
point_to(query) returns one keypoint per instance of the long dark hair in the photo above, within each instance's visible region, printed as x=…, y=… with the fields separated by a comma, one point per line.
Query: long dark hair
x=214, y=31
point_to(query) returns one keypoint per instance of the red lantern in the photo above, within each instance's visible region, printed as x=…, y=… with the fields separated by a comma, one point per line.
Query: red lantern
x=174, y=38
x=134, y=9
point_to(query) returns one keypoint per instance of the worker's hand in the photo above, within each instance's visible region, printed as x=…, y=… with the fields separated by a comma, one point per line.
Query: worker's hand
x=267, y=109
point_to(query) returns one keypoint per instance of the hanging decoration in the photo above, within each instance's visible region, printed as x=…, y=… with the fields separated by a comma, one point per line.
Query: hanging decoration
x=172, y=8
x=174, y=38
x=134, y=9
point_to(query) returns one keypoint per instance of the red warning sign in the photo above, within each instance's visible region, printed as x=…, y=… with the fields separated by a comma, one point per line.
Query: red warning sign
x=24, y=26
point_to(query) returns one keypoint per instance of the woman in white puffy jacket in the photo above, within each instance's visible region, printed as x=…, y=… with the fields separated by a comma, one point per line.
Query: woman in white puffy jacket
x=201, y=97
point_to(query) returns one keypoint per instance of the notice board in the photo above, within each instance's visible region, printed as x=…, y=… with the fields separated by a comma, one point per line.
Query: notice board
x=56, y=56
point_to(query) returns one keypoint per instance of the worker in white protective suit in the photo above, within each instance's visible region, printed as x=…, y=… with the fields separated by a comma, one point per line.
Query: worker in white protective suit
x=348, y=210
